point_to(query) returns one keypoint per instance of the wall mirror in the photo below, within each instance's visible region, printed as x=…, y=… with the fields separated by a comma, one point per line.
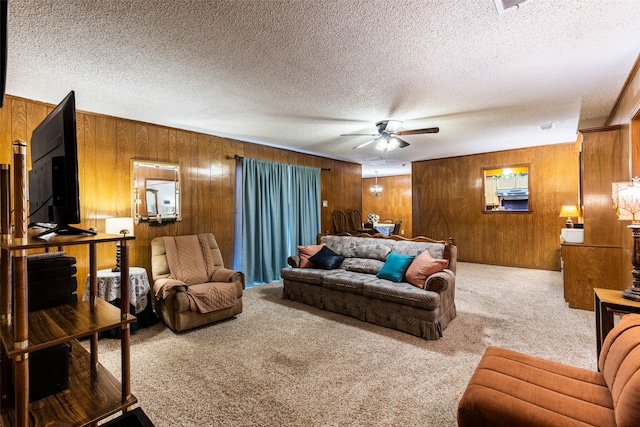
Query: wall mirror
x=506, y=189
x=156, y=191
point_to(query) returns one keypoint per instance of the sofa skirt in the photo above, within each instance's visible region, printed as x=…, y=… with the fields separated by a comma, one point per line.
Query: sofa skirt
x=427, y=324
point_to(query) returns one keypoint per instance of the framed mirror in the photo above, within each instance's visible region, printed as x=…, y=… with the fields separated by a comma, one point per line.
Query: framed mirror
x=156, y=191
x=506, y=189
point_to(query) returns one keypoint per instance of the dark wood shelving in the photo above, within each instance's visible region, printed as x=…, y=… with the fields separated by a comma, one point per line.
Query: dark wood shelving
x=92, y=395
x=93, y=392
x=53, y=241
x=63, y=323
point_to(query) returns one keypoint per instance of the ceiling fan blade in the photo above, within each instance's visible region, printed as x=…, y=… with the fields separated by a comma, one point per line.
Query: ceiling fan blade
x=359, y=134
x=419, y=131
x=402, y=143
x=366, y=143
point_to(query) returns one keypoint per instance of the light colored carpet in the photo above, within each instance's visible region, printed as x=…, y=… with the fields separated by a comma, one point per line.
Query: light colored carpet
x=282, y=363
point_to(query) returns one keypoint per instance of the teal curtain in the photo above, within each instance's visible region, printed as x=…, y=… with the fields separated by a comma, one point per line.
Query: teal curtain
x=281, y=209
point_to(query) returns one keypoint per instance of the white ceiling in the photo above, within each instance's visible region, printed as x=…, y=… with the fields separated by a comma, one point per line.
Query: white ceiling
x=299, y=73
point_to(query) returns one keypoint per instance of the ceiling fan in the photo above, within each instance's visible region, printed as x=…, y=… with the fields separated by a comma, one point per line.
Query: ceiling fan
x=387, y=137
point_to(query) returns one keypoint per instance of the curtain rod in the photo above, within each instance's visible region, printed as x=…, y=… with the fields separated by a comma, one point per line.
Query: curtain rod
x=238, y=157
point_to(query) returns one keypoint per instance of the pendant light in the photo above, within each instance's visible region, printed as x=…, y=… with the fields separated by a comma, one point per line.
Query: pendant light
x=376, y=190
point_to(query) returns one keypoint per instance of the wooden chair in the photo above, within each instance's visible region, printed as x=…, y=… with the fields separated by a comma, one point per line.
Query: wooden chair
x=356, y=219
x=340, y=221
x=359, y=226
x=396, y=229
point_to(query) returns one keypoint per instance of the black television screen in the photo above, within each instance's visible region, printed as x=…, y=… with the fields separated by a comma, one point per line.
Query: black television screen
x=54, y=192
x=4, y=42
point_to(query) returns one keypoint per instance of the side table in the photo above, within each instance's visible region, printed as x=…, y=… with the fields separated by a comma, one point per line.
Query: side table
x=608, y=302
x=139, y=294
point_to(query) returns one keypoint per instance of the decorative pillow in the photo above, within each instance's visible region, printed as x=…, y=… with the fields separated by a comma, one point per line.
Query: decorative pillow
x=326, y=259
x=374, y=251
x=395, y=266
x=307, y=252
x=424, y=266
x=362, y=265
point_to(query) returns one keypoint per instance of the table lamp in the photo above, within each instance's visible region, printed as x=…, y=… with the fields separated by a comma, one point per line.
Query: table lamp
x=122, y=226
x=568, y=211
x=626, y=202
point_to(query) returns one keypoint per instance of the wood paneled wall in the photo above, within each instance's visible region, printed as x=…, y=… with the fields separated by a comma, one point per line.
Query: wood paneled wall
x=605, y=155
x=448, y=199
x=394, y=202
x=626, y=114
x=106, y=146
x=604, y=259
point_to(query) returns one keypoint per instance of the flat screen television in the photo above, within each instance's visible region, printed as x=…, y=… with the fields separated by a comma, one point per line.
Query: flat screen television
x=4, y=42
x=54, y=190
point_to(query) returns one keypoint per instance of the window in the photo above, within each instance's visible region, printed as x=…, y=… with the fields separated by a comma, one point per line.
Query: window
x=506, y=189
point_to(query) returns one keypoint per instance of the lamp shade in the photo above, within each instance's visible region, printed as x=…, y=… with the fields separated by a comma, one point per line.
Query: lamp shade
x=119, y=226
x=626, y=199
x=569, y=211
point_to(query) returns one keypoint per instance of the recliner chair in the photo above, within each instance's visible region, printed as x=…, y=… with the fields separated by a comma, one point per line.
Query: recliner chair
x=199, y=290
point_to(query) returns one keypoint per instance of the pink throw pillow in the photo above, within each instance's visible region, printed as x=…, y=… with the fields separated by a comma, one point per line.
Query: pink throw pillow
x=422, y=267
x=307, y=252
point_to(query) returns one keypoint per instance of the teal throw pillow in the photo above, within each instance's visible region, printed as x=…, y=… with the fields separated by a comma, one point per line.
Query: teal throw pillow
x=395, y=266
x=326, y=259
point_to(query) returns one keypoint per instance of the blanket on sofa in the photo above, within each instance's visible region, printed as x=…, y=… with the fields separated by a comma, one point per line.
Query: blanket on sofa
x=192, y=266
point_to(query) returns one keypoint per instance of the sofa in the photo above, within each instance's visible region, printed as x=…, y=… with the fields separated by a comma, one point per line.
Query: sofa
x=356, y=287
x=510, y=388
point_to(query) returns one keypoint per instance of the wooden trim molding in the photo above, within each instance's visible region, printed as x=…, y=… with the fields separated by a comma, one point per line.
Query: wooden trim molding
x=600, y=129
x=625, y=86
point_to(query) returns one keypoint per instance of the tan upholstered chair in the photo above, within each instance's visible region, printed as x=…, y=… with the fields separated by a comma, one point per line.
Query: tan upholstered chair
x=182, y=304
x=510, y=388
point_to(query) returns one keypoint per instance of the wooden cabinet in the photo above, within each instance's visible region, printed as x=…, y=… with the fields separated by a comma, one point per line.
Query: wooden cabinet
x=93, y=392
x=604, y=260
x=586, y=267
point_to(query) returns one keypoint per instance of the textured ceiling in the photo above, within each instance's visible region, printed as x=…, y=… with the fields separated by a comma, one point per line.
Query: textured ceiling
x=299, y=73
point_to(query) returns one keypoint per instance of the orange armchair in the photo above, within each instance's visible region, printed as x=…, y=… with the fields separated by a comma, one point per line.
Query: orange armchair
x=514, y=389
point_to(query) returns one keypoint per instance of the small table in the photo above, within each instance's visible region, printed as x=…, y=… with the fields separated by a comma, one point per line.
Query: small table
x=109, y=286
x=139, y=293
x=608, y=302
x=385, y=229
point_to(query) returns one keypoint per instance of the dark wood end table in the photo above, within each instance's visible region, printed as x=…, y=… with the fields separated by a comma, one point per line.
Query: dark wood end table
x=608, y=302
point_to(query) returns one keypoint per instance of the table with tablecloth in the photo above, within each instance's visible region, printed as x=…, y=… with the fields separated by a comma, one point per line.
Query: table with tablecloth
x=385, y=229
x=139, y=294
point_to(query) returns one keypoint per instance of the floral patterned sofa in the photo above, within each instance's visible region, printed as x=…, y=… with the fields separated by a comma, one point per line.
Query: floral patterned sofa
x=355, y=286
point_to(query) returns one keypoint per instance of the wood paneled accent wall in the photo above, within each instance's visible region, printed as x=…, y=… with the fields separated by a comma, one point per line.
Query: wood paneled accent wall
x=394, y=202
x=448, y=199
x=106, y=146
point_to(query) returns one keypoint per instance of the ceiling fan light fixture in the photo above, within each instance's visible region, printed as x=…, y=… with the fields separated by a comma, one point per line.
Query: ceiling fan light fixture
x=392, y=143
x=387, y=144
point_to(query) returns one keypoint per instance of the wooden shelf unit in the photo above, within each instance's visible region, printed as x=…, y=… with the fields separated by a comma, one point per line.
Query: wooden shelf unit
x=93, y=393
